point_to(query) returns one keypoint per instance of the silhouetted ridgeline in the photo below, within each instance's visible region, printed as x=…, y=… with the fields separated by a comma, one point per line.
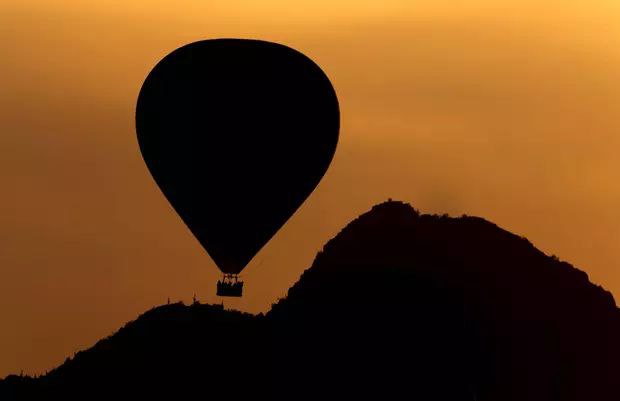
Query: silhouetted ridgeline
x=170, y=352
x=397, y=306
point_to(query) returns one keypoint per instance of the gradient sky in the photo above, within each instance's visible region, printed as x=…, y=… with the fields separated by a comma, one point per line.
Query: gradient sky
x=502, y=109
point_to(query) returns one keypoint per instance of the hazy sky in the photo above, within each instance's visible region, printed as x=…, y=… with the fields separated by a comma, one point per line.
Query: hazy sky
x=503, y=109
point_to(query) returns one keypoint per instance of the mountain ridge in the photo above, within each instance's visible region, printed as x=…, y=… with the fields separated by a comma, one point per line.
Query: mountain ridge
x=455, y=301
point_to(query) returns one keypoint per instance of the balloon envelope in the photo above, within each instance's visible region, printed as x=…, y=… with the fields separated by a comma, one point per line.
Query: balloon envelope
x=237, y=134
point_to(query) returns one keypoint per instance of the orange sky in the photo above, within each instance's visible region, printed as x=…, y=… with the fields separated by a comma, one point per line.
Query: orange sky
x=507, y=110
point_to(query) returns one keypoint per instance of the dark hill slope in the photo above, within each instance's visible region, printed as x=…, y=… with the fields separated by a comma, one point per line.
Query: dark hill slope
x=450, y=308
x=172, y=352
x=397, y=306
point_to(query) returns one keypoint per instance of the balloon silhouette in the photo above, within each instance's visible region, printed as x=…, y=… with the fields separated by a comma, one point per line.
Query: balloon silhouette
x=237, y=134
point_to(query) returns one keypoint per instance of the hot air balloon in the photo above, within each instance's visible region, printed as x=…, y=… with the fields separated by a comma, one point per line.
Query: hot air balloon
x=237, y=134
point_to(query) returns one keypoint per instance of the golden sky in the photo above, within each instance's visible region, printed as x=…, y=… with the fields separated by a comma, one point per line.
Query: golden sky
x=503, y=109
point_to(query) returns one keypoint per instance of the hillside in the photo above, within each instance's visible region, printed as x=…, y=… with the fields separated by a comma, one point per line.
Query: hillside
x=397, y=305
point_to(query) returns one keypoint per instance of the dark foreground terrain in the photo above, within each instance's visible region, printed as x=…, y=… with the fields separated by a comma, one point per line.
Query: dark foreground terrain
x=397, y=306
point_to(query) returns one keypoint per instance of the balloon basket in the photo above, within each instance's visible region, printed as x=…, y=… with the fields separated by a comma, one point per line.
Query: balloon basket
x=230, y=286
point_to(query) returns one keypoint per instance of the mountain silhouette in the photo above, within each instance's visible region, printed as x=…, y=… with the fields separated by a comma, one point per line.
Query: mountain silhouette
x=398, y=305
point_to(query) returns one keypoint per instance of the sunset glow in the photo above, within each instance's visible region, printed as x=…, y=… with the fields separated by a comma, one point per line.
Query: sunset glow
x=509, y=112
